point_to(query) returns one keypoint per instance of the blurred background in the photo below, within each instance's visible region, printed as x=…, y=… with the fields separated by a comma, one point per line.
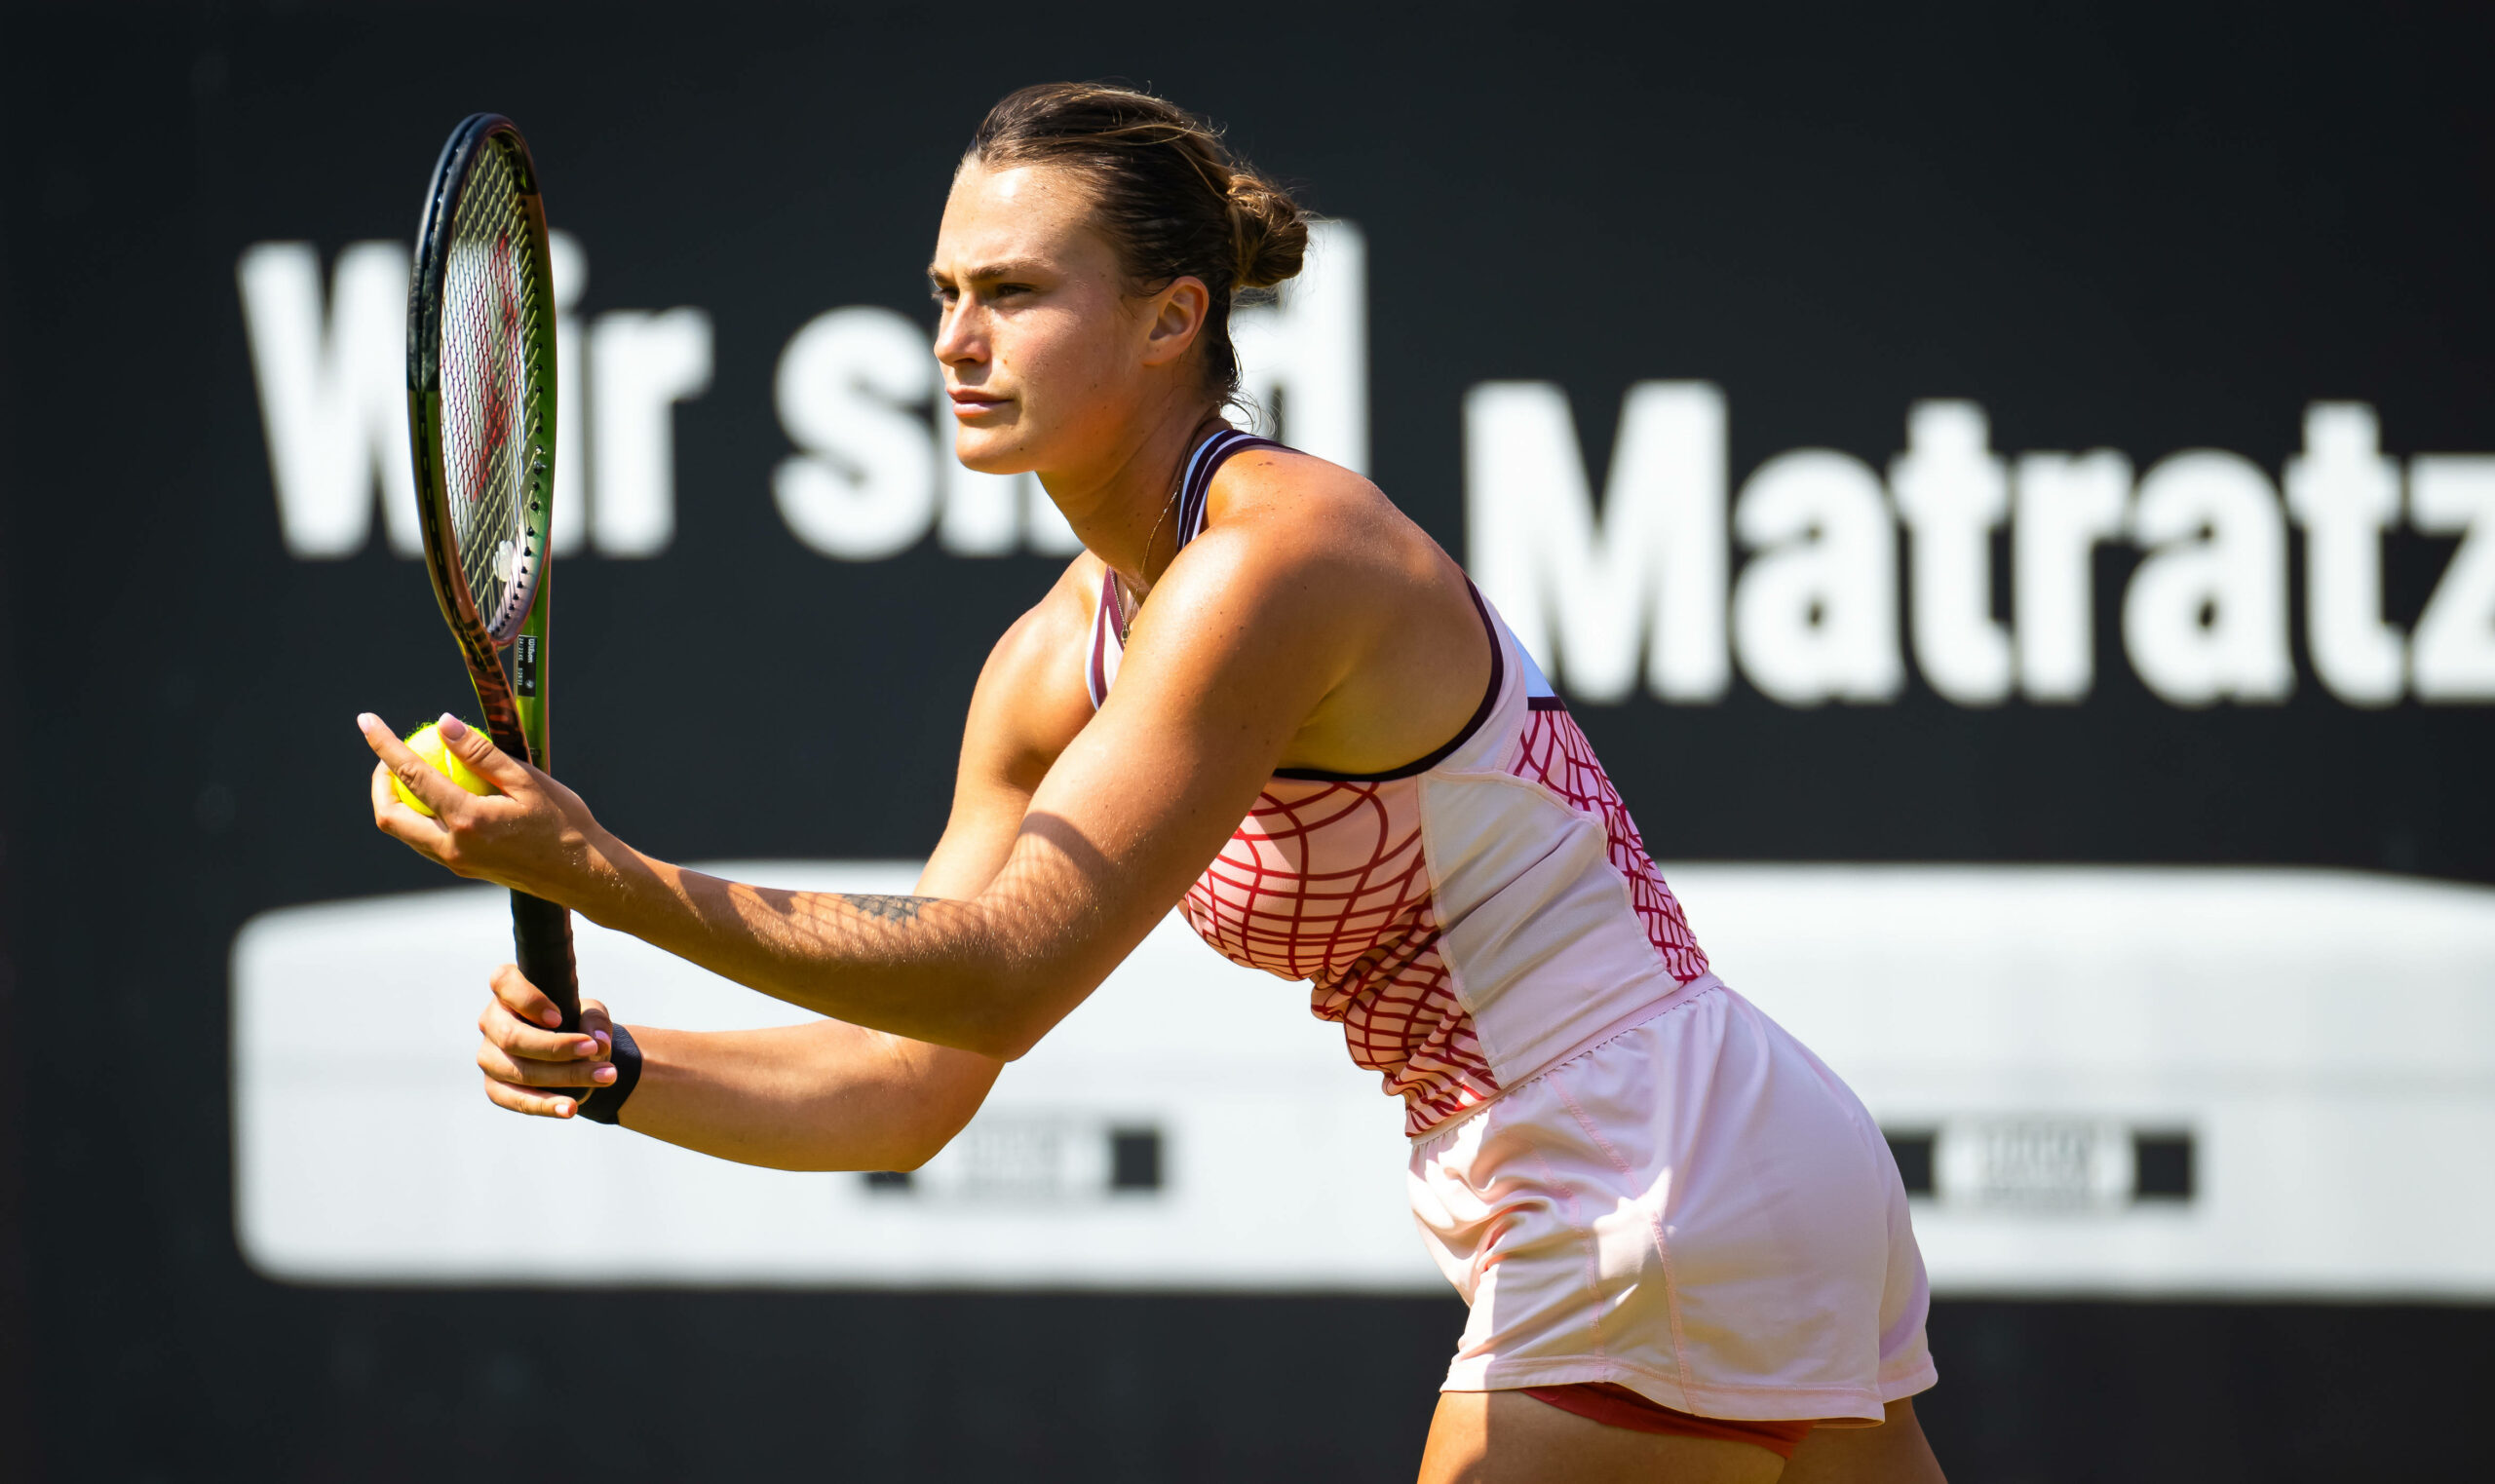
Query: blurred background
x=2010, y=492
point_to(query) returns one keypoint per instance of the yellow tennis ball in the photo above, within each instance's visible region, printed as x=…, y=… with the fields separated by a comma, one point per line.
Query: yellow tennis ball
x=426, y=743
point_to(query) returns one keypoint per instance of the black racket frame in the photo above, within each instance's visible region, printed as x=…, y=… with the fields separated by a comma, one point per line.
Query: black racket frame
x=513, y=694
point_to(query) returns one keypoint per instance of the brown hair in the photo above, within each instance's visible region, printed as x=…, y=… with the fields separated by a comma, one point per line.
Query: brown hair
x=1167, y=192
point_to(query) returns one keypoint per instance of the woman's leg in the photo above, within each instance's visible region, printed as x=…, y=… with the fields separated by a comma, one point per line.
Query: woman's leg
x=1507, y=1437
x=1892, y=1453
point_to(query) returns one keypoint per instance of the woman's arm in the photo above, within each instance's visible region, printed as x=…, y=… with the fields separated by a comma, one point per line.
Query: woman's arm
x=821, y=1096
x=1246, y=634
x=825, y=1095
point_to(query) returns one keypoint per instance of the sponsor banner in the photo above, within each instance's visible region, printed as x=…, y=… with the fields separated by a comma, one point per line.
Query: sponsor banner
x=1847, y=568
x=2097, y=1081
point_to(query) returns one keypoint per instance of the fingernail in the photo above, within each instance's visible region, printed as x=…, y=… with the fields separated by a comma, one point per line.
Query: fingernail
x=563, y=1108
x=453, y=727
x=553, y=1018
x=365, y=721
x=605, y=1074
x=585, y=1049
x=603, y=1042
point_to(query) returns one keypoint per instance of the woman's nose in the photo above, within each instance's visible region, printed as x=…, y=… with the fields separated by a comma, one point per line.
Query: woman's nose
x=957, y=338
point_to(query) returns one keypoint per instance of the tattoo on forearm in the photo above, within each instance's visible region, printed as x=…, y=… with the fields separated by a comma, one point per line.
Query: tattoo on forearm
x=892, y=909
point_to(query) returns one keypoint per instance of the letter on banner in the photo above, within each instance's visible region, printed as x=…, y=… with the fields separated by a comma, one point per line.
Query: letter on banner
x=1952, y=492
x=2345, y=494
x=571, y=272
x=2454, y=495
x=640, y=364
x=852, y=391
x=1648, y=574
x=1814, y=616
x=334, y=392
x=2206, y=616
x=2067, y=505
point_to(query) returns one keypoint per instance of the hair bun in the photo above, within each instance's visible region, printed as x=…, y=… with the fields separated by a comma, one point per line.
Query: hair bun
x=1166, y=193
x=1267, y=230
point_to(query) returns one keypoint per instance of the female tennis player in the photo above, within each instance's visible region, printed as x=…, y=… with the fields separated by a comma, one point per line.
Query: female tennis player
x=1263, y=695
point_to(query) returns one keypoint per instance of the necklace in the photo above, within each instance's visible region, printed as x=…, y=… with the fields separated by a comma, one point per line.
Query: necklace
x=1134, y=602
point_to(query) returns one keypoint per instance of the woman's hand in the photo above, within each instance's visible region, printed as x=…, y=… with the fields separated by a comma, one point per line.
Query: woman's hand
x=530, y=1066
x=533, y=835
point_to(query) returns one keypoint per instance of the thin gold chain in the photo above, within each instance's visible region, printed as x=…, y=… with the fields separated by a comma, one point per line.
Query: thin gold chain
x=1125, y=618
x=1134, y=602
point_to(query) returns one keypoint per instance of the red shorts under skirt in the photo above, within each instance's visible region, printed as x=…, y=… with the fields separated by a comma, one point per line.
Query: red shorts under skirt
x=1615, y=1405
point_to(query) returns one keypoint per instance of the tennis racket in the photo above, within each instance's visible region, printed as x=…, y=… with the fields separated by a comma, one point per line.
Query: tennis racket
x=481, y=417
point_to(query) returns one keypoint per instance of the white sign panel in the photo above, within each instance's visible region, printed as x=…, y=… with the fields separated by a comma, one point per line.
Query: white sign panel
x=369, y=1154
x=2097, y=1080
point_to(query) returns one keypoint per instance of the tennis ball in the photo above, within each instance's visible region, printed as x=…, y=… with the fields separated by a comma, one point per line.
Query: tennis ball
x=426, y=743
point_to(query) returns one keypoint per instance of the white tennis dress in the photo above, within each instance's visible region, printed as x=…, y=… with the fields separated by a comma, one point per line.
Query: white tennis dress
x=1630, y=1173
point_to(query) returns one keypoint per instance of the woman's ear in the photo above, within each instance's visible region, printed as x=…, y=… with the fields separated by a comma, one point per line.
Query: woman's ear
x=1177, y=317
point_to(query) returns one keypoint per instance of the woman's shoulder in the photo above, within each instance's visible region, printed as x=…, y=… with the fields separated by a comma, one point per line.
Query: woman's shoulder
x=1312, y=565
x=1052, y=633
x=1297, y=508
x=1285, y=501
x=1263, y=475
x=1030, y=693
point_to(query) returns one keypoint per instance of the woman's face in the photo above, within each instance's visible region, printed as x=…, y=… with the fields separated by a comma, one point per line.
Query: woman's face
x=1047, y=358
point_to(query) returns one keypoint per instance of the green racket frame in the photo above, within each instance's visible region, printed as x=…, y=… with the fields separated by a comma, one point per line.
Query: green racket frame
x=507, y=669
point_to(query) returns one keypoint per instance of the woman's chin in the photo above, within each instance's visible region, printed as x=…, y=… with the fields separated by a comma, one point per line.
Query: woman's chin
x=991, y=451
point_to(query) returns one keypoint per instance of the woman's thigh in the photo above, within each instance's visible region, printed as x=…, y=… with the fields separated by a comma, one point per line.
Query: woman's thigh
x=1892, y=1453
x=1507, y=1437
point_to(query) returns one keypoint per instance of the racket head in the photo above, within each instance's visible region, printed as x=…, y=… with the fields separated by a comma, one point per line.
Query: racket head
x=482, y=405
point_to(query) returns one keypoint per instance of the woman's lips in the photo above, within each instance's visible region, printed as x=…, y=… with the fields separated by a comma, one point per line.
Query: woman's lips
x=969, y=403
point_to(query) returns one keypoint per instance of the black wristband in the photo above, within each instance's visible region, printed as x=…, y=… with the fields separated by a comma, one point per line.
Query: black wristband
x=604, y=1105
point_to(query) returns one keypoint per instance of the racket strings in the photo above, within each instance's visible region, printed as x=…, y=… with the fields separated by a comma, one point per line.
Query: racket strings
x=492, y=390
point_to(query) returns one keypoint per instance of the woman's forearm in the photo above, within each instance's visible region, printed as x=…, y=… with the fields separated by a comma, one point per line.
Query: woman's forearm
x=924, y=968
x=805, y=1097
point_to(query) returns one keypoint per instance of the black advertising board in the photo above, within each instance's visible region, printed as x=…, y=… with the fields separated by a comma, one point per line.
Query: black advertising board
x=1998, y=440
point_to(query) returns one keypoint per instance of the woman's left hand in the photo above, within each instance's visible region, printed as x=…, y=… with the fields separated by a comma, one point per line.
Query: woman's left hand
x=534, y=835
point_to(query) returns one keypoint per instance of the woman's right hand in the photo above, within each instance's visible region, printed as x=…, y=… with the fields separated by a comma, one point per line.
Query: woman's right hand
x=530, y=1066
x=530, y=835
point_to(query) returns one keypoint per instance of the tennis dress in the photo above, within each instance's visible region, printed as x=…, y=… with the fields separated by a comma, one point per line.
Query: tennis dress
x=1631, y=1173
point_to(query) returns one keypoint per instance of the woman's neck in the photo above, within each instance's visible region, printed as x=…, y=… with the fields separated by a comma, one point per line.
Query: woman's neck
x=1125, y=509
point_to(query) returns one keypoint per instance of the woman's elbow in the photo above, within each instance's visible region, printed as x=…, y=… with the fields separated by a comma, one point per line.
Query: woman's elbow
x=900, y=1149
x=927, y=1135
x=934, y=1105
x=1011, y=1027
x=1010, y=1043
x=1022, y=996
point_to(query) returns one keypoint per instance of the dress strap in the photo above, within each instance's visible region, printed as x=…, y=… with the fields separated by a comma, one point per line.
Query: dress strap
x=1195, y=491
x=1100, y=660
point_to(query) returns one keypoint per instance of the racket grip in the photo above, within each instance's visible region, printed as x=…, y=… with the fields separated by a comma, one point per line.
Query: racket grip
x=542, y=932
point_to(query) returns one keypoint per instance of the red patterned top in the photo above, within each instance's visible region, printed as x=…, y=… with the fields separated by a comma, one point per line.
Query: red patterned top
x=1555, y=753
x=1409, y=900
